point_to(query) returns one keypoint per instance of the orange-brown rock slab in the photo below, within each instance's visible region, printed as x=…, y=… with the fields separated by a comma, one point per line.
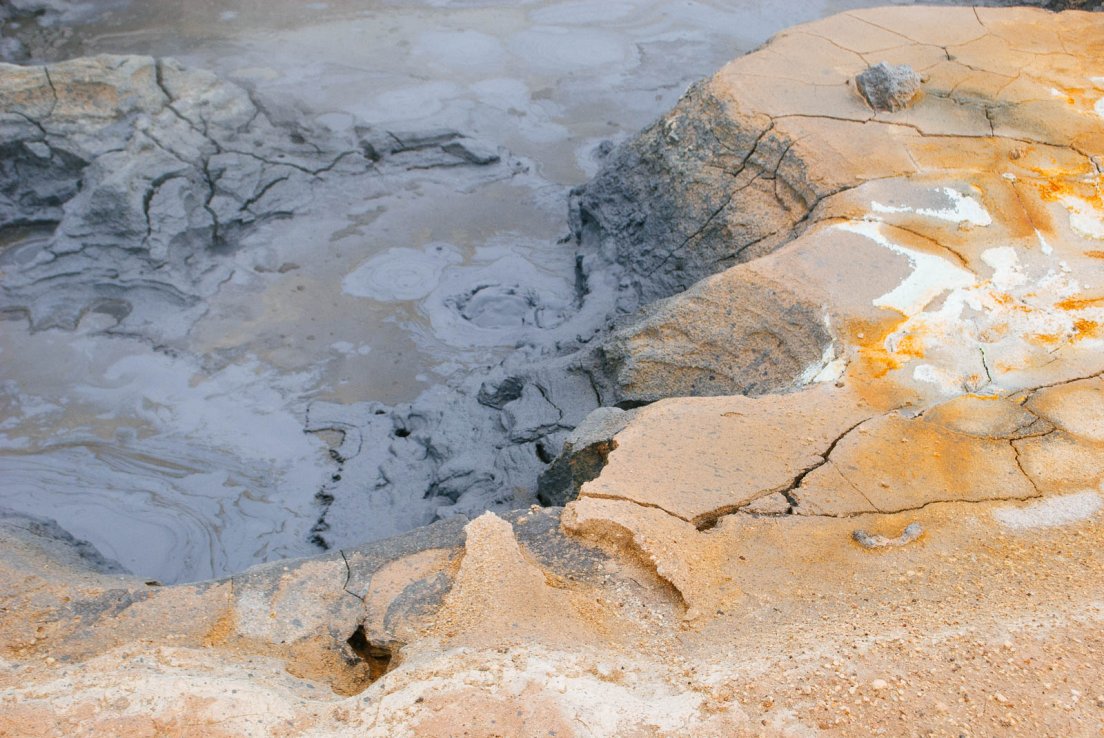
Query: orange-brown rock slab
x=696, y=459
x=899, y=464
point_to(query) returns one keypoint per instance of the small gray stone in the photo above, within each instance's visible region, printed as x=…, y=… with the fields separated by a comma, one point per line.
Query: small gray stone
x=888, y=88
x=911, y=532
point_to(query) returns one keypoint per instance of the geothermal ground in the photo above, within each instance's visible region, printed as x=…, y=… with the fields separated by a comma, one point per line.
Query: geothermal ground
x=808, y=374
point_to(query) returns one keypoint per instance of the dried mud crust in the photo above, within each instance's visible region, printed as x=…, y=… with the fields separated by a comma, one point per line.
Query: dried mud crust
x=954, y=253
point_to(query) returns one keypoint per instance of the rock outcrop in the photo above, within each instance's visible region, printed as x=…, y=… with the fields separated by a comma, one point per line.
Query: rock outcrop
x=748, y=334
x=906, y=539
x=584, y=455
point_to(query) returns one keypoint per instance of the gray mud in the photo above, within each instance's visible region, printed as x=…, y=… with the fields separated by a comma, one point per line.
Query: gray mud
x=311, y=284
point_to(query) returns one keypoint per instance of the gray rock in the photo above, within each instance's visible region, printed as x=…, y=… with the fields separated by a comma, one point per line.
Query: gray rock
x=55, y=542
x=911, y=532
x=888, y=88
x=733, y=333
x=583, y=457
x=703, y=188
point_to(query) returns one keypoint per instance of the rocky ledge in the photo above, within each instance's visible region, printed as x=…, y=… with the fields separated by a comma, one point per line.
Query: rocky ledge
x=879, y=514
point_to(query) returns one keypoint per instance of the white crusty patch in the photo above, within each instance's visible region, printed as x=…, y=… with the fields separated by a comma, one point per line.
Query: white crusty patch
x=1098, y=82
x=1084, y=219
x=931, y=275
x=1050, y=512
x=1007, y=274
x=1014, y=316
x=832, y=371
x=949, y=383
x=963, y=209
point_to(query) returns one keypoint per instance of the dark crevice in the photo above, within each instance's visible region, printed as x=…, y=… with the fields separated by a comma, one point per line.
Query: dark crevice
x=949, y=501
x=53, y=90
x=985, y=366
x=543, y=453
x=263, y=191
x=379, y=656
x=632, y=404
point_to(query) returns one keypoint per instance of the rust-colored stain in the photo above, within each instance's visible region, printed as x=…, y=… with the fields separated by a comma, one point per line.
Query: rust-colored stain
x=909, y=345
x=1095, y=254
x=1053, y=186
x=869, y=338
x=1075, y=95
x=1084, y=303
x=1047, y=339
x=1086, y=329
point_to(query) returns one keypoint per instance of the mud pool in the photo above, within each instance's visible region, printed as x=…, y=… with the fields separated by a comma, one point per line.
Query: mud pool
x=352, y=375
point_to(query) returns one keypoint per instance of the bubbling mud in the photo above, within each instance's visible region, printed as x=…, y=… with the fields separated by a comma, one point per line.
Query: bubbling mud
x=401, y=274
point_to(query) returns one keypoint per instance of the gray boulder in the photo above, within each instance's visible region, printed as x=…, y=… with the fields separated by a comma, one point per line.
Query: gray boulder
x=734, y=333
x=703, y=188
x=583, y=456
x=888, y=88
